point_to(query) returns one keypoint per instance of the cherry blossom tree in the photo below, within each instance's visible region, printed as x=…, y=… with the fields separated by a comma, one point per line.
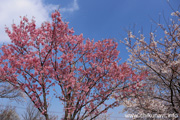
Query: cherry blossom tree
x=160, y=56
x=82, y=73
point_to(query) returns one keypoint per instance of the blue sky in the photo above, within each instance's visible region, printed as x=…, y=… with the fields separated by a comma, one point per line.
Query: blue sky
x=96, y=19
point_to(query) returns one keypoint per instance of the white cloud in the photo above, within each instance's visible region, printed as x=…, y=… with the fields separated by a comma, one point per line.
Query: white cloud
x=71, y=8
x=10, y=10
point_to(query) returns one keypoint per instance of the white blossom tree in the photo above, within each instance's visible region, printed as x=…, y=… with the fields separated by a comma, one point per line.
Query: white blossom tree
x=160, y=56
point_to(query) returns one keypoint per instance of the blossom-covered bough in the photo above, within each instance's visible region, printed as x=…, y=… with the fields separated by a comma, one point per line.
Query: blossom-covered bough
x=83, y=74
x=161, y=58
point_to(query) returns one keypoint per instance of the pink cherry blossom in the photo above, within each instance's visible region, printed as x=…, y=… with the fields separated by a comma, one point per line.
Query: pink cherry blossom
x=82, y=72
